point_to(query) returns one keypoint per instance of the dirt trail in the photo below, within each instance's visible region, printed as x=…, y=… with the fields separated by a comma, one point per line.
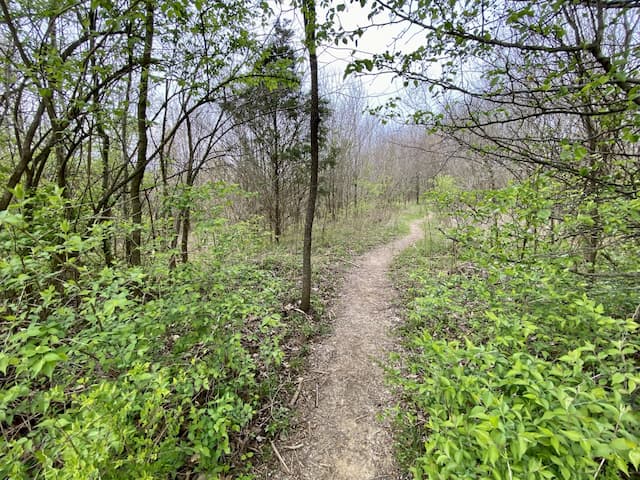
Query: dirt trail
x=339, y=436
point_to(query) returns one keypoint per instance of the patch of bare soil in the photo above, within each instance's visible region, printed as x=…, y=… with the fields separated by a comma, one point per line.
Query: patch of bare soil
x=339, y=435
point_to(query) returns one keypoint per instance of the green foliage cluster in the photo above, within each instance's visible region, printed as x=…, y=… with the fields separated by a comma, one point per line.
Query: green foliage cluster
x=521, y=359
x=155, y=371
x=116, y=372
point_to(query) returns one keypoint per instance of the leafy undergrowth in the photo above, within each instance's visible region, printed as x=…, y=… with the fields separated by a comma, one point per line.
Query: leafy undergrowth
x=511, y=369
x=122, y=373
x=117, y=372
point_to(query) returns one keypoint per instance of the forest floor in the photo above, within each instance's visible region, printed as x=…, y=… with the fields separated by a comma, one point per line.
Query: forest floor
x=338, y=433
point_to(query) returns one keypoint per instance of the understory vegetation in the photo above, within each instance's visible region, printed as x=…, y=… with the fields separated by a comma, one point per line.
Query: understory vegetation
x=119, y=372
x=520, y=360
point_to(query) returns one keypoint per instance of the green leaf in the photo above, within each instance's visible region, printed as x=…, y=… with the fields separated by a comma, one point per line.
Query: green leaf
x=493, y=453
x=4, y=362
x=572, y=435
x=11, y=219
x=634, y=457
x=618, y=378
x=622, y=444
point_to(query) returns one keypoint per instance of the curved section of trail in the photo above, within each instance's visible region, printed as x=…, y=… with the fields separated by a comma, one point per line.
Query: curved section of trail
x=339, y=435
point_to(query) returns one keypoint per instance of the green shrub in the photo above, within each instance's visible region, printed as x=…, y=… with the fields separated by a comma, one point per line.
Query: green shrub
x=520, y=360
x=124, y=373
x=499, y=411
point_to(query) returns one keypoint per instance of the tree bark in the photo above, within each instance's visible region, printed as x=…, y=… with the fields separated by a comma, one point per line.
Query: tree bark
x=275, y=161
x=186, y=228
x=135, y=239
x=186, y=211
x=26, y=157
x=309, y=13
x=106, y=177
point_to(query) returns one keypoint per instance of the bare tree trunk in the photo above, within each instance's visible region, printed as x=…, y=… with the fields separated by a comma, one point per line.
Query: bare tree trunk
x=166, y=209
x=105, y=146
x=309, y=13
x=106, y=175
x=135, y=239
x=186, y=228
x=355, y=195
x=125, y=157
x=185, y=214
x=275, y=161
x=174, y=241
x=25, y=149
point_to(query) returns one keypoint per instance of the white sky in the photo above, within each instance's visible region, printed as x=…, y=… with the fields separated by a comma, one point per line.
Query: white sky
x=374, y=40
x=333, y=59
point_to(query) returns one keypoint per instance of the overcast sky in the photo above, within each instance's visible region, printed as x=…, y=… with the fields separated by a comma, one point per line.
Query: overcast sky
x=333, y=59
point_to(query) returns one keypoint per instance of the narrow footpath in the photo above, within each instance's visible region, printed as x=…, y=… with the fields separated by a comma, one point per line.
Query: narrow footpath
x=339, y=435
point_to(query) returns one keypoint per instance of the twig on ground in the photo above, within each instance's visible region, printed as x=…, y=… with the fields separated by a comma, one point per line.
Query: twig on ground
x=361, y=417
x=294, y=447
x=307, y=316
x=293, y=400
x=282, y=462
x=351, y=263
